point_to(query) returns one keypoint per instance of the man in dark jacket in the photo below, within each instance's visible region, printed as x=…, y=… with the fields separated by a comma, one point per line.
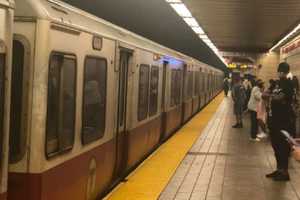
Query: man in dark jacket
x=282, y=115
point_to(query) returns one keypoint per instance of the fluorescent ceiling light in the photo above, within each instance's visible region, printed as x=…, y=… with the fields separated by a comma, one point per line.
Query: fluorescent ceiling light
x=191, y=21
x=207, y=41
x=173, y=1
x=198, y=30
x=181, y=9
x=203, y=36
x=184, y=12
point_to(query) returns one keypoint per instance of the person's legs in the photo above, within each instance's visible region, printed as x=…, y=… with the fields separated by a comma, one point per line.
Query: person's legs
x=283, y=153
x=254, y=127
x=226, y=92
x=274, y=143
x=262, y=125
x=239, y=118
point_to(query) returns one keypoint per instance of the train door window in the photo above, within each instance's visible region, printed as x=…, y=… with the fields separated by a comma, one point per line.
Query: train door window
x=143, y=92
x=176, y=81
x=178, y=86
x=2, y=71
x=189, y=88
x=61, y=103
x=204, y=82
x=207, y=82
x=201, y=82
x=153, y=102
x=197, y=83
x=94, y=99
x=17, y=137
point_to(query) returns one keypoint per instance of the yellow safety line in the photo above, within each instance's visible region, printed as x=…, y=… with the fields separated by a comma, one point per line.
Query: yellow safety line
x=152, y=176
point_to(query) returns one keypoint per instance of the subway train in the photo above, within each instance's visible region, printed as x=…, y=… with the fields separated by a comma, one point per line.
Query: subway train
x=83, y=101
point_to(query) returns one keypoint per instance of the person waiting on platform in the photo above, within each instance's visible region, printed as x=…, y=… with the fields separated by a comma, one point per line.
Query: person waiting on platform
x=262, y=114
x=254, y=100
x=281, y=119
x=226, y=86
x=239, y=98
x=248, y=88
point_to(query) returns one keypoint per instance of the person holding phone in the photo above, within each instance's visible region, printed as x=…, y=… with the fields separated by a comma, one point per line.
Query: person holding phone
x=281, y=113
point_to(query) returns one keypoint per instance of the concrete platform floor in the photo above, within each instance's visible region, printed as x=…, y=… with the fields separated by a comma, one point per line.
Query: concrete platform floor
x=224, y=165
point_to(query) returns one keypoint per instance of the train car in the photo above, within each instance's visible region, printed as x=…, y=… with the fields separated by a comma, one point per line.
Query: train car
x=6, y=28
x=89, y=101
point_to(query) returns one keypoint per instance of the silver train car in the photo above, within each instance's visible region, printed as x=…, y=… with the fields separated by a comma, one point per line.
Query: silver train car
x=83, y=101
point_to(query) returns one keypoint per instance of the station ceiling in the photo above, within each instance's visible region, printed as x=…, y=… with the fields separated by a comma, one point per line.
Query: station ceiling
x=247, y=26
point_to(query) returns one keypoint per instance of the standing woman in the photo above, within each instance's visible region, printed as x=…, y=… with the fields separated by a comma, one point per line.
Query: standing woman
x=281, y=119
x=254, y=100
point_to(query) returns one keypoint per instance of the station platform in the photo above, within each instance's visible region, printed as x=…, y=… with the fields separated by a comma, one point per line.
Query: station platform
x=209, y=160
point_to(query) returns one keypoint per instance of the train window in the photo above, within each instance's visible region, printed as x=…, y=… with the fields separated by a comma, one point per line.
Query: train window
x=202, y=82
x=178, y=86
x=197, y=83
x=16, y=141
x=207, y=82
x=2, y=67
x=94, y=99
x=175, y=87
x=189, y=88
x=61, y=103
x=153, y=102
x=143, y=92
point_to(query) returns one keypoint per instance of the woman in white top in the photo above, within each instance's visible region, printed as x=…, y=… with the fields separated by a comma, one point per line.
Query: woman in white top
x=254, y=100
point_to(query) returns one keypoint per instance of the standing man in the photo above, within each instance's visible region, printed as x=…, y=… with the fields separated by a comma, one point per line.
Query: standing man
x=239, y=98
x=282, y=115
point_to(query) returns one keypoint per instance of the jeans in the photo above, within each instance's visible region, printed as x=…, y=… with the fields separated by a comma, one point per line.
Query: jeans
x=254, y=125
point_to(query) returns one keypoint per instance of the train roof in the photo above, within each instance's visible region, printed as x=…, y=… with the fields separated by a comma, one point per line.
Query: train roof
x=65, y=14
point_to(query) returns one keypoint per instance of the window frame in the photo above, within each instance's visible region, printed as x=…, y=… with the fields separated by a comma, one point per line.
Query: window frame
x=63, y=151
x=82, y=105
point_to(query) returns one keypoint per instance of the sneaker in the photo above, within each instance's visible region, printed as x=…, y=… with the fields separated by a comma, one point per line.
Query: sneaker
x=235, y=126
x=281, y=177
x=262, y=135
x=273, y=174
x=254, y=139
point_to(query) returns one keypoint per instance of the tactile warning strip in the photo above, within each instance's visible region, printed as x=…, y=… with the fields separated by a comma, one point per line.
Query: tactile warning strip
x=151, y=177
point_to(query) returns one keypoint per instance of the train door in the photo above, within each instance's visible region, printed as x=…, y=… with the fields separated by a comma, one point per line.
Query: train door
x=122, y=141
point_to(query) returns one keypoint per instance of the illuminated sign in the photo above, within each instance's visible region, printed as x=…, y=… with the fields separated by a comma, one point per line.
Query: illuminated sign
x=232, y=66
x=291, y=47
